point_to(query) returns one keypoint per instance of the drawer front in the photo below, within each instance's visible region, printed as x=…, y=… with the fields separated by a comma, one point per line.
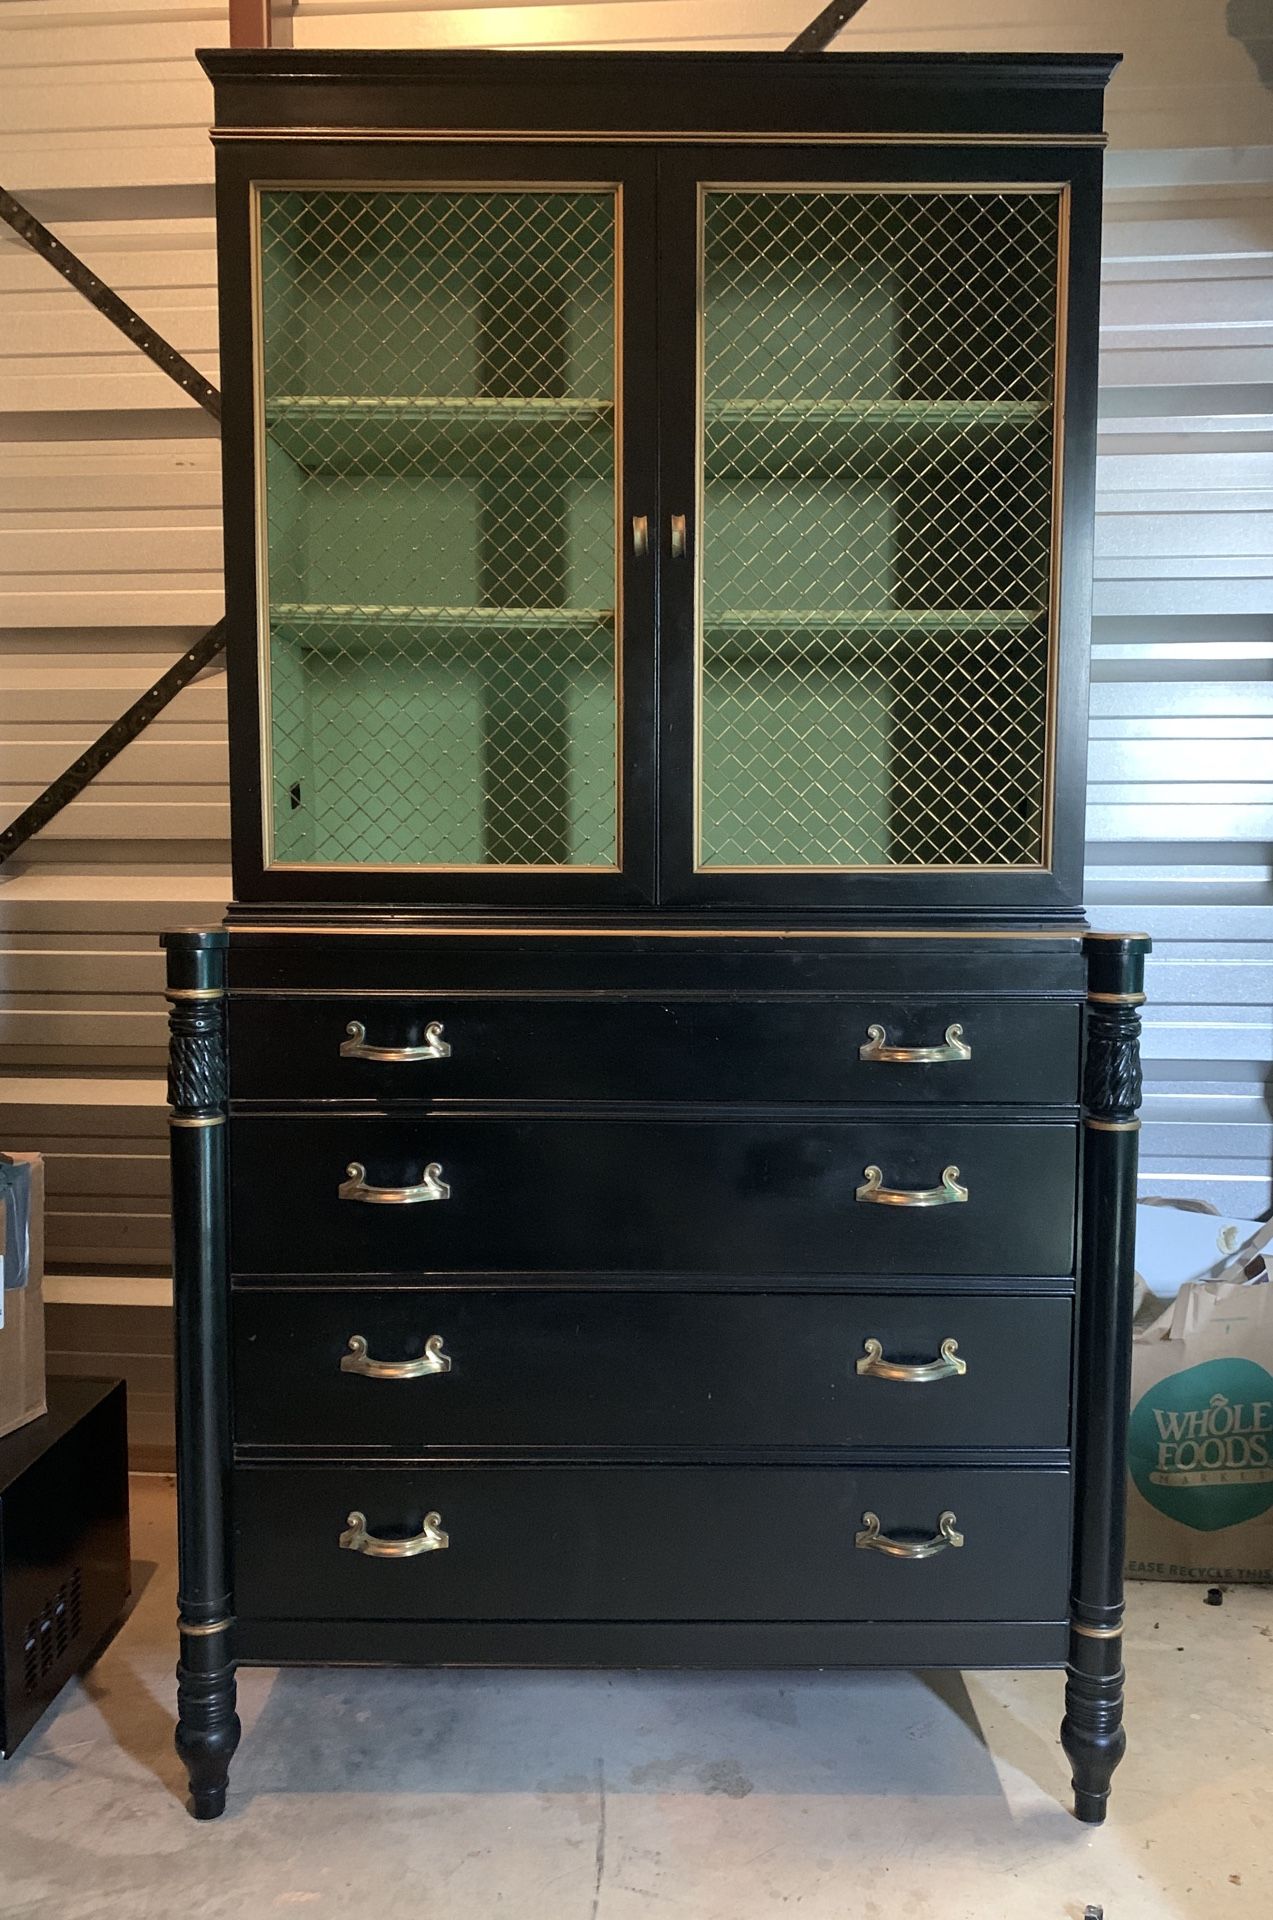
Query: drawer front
x=651, y=1543
x=734, y=1197
x=690, y=1048
x=538, y=1370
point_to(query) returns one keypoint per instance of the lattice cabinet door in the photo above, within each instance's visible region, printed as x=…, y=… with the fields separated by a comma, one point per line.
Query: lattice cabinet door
x=445, y=599
x=863, y=427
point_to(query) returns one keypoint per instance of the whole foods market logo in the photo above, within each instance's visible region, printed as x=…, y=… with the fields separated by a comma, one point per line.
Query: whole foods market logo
x=1200, y=1444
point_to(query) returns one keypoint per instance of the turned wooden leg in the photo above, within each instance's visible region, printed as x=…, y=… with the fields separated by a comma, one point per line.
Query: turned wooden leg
x=207, y=1725
x=1092, y=1730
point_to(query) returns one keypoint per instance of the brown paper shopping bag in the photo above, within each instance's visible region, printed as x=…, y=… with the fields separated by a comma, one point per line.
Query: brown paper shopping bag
x=1200, y=1440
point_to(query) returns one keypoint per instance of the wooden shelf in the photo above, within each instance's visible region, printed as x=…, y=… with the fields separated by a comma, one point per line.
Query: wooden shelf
x=866, y=441
x=856, y=637
x=467, y=619
x=406, y=433
x=443, y=410
x=934, y=414
x=848, y=620
x=575, y=636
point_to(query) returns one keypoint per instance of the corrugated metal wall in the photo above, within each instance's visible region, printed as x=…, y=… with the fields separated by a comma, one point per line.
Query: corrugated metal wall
x=1180, y=821
x=109, y=562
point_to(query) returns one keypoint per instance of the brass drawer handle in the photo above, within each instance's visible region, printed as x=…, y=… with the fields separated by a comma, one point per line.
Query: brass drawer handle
x=946, y=1195
x=434, y=1359
x=876, y=1047
x=431, y=1186
x=947, y=1535
x=948, y=1367
x=678, y=536
x=430, y=1539
x=640, y=535
x=356, y=1048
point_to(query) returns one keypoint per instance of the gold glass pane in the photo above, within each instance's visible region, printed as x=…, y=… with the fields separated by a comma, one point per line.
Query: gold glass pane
x=438, y=400
x=878, y=399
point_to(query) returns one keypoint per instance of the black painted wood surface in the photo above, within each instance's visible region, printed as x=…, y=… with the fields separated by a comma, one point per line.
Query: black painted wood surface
x=766, y=1644
x=1030, y=95
x=651, y=1543
x=755, y=953
x=207, y=1724
x=638, y=1048
x=624, y=1369
x=686, y=1194
x=1092, y=1732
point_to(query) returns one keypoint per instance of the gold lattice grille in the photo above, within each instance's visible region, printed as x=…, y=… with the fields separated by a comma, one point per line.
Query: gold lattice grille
x=876, y=529
x=438, y=397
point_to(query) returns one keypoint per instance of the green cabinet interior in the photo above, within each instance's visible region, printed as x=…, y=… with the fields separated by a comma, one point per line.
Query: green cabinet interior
x=878, y=403
x=440, y=473
x=878, y=388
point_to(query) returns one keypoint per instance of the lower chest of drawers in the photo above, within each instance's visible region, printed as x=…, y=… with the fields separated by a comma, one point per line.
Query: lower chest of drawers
x=655, y=1296
x=527, y=1337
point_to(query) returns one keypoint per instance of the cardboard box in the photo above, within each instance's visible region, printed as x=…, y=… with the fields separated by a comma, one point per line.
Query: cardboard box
x=22, y=1295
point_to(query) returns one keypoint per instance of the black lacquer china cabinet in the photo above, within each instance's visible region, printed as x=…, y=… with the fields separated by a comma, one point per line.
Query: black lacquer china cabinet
x=654, y=1141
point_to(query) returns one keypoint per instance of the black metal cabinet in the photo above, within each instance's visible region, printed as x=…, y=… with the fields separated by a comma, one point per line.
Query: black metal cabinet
x=656, y=1079
x=64, y=1547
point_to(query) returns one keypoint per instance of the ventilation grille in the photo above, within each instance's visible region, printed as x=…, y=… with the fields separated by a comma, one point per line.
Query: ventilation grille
x=878, y=438
x=52, y=1635
x=439, y=408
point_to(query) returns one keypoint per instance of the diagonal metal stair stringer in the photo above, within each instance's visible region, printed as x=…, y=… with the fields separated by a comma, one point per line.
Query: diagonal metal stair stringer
x=68, y=785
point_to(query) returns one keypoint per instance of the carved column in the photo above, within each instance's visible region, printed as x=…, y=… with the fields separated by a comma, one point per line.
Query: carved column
x=207, y=1724
x=1092, y=1731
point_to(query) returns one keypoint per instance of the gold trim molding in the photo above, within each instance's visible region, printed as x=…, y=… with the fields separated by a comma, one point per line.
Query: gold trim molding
x=202, y=1631
x=1074, y=935
x=1112, y=1126
x=697, y=137
x=1096, y=1633
x=196, y=1120
x=194, y=993
x=1118, y=999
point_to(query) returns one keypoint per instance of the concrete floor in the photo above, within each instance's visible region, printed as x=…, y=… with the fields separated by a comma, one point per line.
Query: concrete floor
x=673, y=1797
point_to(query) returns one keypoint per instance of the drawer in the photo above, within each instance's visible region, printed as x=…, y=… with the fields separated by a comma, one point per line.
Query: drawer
x=537, y=1370
x=651, y=1543
x=671, y=1048
x=737, y=1196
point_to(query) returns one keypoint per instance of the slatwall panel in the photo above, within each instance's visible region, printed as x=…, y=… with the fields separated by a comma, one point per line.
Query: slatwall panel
x=109, y=560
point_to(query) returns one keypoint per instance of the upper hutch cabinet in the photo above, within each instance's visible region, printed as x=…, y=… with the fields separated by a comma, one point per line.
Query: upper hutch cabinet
x=661, y=519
